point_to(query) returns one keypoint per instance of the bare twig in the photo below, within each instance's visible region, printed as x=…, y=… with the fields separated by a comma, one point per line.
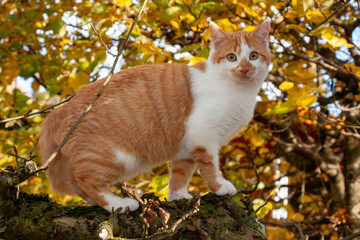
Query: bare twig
x=132, y=194
x=248, y=191
x=29, y=114
x=302, y=236
x=99, y=36
x=173, y=228
x=263, y=205
x=352, y=236
x=72, y=128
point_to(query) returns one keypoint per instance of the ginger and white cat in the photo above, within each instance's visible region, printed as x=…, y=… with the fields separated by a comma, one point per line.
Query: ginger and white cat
x=155, y=113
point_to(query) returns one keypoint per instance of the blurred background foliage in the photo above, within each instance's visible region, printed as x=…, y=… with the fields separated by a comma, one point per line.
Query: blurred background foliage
x=305, y=133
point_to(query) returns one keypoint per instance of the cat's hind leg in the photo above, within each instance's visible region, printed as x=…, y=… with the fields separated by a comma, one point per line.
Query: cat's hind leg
x=92, y=183
x=180, y=175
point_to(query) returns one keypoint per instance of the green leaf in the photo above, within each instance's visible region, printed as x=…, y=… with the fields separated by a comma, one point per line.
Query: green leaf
x=42, y=98
x=190, y=47
x=27, y=70
x=316, y=31
x=99, y=9
x=58, y=26
x=203, y=53
x=11, y=17
x=171, y=13
x=158, y=183
x=281, y=108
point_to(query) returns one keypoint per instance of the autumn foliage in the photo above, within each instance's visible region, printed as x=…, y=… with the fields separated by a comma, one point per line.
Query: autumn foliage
x=305, y=134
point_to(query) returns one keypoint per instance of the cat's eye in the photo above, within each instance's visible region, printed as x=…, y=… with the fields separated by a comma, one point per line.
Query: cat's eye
x=253, y=55
x=231, y=57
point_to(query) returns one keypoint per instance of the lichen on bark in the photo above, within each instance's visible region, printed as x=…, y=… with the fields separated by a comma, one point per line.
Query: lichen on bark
x=37, y=217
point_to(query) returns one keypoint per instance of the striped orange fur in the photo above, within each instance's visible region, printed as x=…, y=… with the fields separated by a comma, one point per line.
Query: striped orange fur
x=151, y=114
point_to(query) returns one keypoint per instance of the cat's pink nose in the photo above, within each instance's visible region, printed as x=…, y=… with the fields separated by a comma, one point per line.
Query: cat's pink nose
x=244, y=71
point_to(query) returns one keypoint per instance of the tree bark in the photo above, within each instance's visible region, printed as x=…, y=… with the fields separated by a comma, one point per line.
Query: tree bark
x=24, y=216
x=352, y=180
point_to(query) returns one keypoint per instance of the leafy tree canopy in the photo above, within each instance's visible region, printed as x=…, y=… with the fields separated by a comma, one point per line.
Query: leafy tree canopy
x=304, y=136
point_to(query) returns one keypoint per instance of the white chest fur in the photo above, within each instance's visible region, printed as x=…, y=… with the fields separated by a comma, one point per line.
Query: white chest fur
x=221, y=108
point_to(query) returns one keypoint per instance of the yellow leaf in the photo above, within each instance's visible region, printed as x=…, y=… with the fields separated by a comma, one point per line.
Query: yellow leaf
x=76, y=80
x=38, y=24
x=188, y=18
x=302, y=6
x=336, y=42
x=250, y=28
x=248, y=10
x=175, y=24
x=306, y=100
x=333, y=40
x=226, y=25
x=298, y=217
x=237, y=154
x=264, y=210
x=286, y=85
x=123, y=3
x=195, y=60
x=64, y=42
x=316, y=16
x=321, y=90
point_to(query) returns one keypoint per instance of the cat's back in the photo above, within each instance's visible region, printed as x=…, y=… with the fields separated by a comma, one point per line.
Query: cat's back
x=138, y=104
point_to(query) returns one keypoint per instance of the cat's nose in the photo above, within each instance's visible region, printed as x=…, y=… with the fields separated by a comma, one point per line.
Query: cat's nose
x=244, y=70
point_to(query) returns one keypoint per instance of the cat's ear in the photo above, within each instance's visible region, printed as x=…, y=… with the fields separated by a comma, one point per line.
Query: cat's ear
x=262, y=32
x=217, y=35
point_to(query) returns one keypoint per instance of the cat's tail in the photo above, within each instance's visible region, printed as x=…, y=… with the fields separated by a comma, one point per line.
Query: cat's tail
x=58, y=171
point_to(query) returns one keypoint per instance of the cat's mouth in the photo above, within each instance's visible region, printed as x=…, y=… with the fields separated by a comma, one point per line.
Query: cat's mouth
x=244, y=78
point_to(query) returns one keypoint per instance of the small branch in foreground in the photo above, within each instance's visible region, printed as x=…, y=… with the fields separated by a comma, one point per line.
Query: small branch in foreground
x=173, y=228
x=132, y=194
x=299, y=228
x=351, y=236
x=253, y=189
x=99, y=36
x=263, y=205
x=29, y=113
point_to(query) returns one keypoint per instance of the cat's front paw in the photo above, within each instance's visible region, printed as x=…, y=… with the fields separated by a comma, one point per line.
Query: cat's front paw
x=129, y=203
x=179, y=195
x=227, y=188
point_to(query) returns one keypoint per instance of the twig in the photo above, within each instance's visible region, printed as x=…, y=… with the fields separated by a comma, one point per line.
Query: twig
x=173, y=228
x=248, y=191
x=29, y=113
x=15, y=155
x=30, y=156
x=98, y=35
x=145, y=224
x=72, y=128
x=187, y=215
x=284, y=224
x=132, y=194
x=263, y=205
x=302, y=236
x=351, y=236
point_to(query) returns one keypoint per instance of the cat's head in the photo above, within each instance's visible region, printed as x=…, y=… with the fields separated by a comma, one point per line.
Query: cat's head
x=244, y=55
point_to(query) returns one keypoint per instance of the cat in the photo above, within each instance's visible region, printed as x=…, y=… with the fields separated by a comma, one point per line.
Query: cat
x=155, y=113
